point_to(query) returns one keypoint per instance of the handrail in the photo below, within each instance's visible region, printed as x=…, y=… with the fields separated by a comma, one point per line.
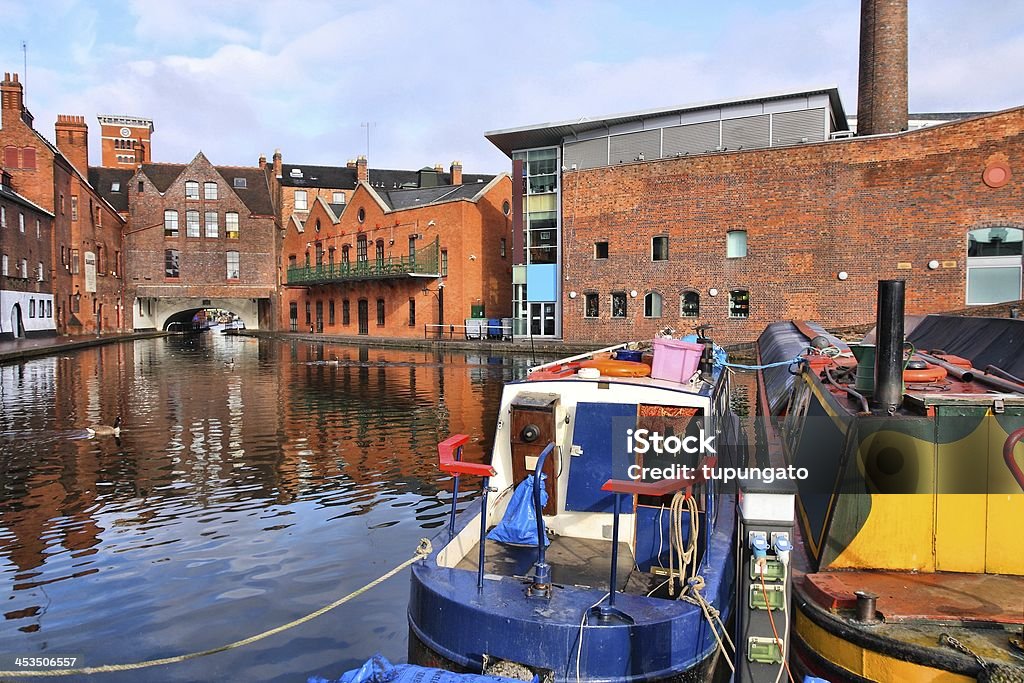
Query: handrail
x=588, y=354
x=449, y=454
x=542, y=571
x=1011, y=442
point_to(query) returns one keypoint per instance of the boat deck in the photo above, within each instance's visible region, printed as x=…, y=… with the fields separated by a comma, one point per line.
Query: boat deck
x=574, y=562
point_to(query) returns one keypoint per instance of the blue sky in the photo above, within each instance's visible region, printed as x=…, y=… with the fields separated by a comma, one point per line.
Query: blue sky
x=235, y=79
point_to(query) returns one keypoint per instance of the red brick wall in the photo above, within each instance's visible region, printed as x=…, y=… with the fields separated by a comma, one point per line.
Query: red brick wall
x=470, y=232
x=30, y=245
x=810, y=211
x=202, y=260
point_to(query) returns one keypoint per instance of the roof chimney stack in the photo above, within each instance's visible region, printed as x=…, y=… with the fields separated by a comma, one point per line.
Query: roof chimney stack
x=456, y=173
x=277, y=163
x=882, y=91
x=362, y=172
x=263, y=161
x=12, y=100
x=72, y=135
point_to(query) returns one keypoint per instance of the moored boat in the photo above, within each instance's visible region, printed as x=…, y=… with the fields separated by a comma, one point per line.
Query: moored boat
x=602, y=601
x=908, y=563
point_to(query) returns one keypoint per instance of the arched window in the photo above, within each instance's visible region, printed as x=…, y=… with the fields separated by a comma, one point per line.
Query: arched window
x=994, y=265
x=652, y=305
x=689, y=305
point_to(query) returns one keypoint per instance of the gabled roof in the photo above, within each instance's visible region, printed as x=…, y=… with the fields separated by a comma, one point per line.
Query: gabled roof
x=398, y=200
x=344, y=178
x=103, y=179
x=255, y=195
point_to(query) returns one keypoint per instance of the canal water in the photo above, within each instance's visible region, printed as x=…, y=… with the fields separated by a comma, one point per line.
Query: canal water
x=254, y=481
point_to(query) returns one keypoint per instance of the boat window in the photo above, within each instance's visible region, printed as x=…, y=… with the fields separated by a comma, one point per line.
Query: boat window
x=739, y=303
x=689, y=305
x=652, y=305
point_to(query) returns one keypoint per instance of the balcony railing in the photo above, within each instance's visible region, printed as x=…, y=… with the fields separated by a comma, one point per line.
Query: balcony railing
x=425, y=263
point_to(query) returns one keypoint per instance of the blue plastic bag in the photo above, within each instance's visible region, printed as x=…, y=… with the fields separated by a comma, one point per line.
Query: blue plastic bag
x=519, y=525
x=379, y=670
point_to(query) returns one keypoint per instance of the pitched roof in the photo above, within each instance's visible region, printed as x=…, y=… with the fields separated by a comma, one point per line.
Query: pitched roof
x=344, y=178
x=407, y=199
x=103, y=180
x=255, y=195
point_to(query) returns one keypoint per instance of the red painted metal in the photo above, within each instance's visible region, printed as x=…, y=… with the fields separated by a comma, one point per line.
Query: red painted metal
x=447, y=452
x=1011, y=442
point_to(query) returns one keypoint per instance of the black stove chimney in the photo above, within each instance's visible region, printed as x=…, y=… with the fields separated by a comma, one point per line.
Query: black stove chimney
x=889, y=345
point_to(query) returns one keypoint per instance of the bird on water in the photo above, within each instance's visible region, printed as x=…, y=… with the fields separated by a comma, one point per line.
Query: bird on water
x=105, y=430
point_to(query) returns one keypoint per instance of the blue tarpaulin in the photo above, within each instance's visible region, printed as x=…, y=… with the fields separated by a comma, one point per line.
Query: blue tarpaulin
x=379, y=670
x=519, y=525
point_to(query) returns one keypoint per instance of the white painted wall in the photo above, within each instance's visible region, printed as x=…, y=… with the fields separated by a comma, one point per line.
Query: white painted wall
x=40, y=323
x=164, y=307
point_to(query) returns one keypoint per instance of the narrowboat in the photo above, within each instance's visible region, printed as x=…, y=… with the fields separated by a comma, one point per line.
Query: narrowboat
x=908, y=562
x=629, y=575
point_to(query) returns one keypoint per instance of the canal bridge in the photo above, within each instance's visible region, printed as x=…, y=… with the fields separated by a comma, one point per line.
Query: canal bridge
x=163, y=312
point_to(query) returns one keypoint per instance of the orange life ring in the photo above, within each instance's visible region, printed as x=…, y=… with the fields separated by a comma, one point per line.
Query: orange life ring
x=618, y=368
x=555, y=371
x=932, y=373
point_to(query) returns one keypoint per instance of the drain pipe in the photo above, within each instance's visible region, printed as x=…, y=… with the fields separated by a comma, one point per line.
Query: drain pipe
x=889, y=345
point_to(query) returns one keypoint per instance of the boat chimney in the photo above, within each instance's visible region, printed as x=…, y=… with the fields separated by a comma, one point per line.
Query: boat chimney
x=889, y=345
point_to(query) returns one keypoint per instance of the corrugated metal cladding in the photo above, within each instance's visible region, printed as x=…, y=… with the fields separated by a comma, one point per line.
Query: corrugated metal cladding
x=630, y=147
x=793, y=127
x=747, y=132
x=695, y=138
x=586, y=154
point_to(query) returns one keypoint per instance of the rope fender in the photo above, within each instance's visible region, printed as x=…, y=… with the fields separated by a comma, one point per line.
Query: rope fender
x=422, y=550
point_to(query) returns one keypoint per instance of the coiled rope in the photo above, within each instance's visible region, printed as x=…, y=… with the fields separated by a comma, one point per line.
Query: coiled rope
x=422, y=550
x=684, y=554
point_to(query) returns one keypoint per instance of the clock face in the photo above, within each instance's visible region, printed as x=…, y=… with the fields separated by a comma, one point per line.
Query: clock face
x=126, y=132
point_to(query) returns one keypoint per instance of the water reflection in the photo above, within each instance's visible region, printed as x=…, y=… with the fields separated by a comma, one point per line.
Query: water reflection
x=253, y=482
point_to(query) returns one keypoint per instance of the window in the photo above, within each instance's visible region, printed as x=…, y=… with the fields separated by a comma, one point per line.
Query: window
x=293, y=314
x=74, y=302
x=618, y=304
x=171, y=264
x=11, y=157
x=291, y=261
x=380, y=312
x=444, y=263
x=600, y=250
x=591, y=306
x=212, y=228
x=74, y=207
x=330, y=312
x=24, y=269
x=39, y=271
x=736, y=244
x=142, y=187
x=412, y=312
x=209, y=190
x=994, y=265
x=346, y=317
x=316, y=227
x=338, y=198
x=191, y=224
x=361, y=215
x=412, y=249
x=361, y=249
x=239, y=183
x=345, y=255
x=3, y=216
x=3, y=265
x=232, y=265
x=689, y=305
x=191, y=189
x=659, y=248
x=21, y=222
x=739, y=303
x=231, y=225
x=170, y=223
x=503, y=247
x=330, y=258
x=300, y=200
x=31, y=308
x=49, y=308
x=309, y=314
x=652, y=305
x=506, y=208
x=39, y=230
x=115, y=187
x=28, y=158
x=379, y=253
x=75, y=262
x=319, y=249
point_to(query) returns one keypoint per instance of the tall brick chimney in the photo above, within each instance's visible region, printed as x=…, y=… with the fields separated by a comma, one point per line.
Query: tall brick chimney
x=263, y=161
x=72, y=135
x=12, y=100
x=362, y=172
x=882, y=91
x=277, y=163
x=456, y=172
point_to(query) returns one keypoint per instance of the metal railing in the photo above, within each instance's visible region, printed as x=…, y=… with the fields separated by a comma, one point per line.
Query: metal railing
x=425, y=262
x=502, y=332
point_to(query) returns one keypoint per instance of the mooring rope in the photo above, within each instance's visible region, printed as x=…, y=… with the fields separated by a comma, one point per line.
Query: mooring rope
x=422, y=551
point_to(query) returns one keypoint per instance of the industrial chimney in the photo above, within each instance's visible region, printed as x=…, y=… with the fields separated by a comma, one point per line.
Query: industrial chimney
x=882, y=91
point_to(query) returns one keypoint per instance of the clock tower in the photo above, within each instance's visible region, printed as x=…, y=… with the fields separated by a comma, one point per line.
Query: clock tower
x=125, y=141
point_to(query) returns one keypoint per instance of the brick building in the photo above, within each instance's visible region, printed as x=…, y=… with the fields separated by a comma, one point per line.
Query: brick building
x=388, y=262
x=26, y=283
x=738, y=238
x=125, y=141
x=85, y=242
x=199, y=236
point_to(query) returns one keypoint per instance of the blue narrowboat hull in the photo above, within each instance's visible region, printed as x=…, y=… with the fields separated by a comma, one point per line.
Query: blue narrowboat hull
x=454, y=624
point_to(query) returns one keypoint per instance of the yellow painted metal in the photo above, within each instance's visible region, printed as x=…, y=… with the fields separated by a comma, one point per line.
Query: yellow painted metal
x=866, y=663
x=1005, y=509
x=896, y=535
